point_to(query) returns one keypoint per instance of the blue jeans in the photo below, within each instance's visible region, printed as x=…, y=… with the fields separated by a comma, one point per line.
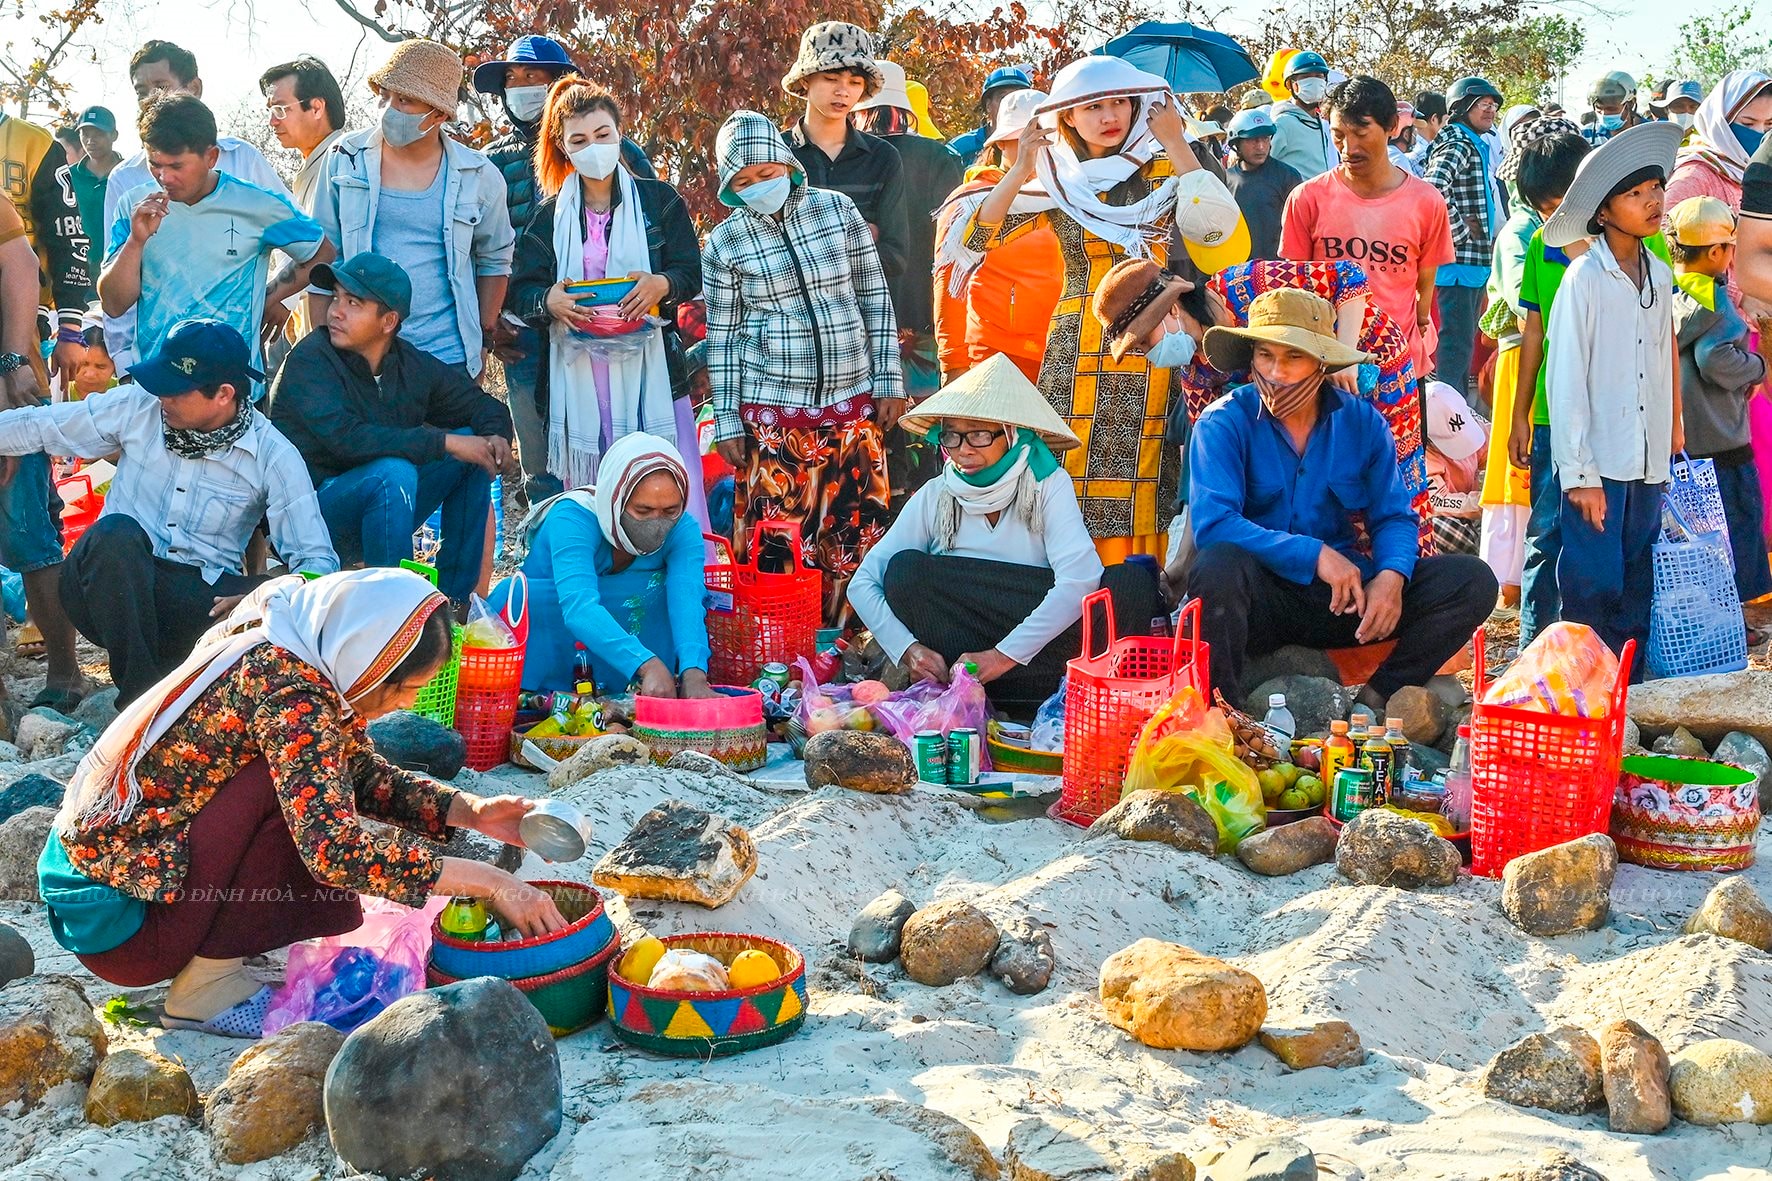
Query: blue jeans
x=373, y=510
x=1540, y=604
x=1460, y=309
x=30, y=517
x=1608, y=575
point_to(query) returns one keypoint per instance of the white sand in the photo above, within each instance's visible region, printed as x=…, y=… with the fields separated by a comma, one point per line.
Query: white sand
x=1435, y=982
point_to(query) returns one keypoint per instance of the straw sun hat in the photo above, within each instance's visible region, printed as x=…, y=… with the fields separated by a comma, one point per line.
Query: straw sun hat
x=424, y=70
x=1647, y=145
x=1286, y=316
x=993, y=391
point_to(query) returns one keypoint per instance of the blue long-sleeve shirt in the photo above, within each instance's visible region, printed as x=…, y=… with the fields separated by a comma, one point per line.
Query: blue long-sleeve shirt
x=1248, y=486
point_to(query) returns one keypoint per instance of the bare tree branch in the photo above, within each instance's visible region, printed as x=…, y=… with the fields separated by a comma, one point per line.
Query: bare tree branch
x=370, y=23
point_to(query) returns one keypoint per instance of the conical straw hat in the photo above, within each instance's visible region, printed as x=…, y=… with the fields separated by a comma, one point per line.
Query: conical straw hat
x=993, y=391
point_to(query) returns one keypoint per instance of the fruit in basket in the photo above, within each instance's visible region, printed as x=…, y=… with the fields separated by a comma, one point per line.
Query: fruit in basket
x=860, y=719
x=1313, y=789
x=751, y=968
x=1272, y=784
x=868, y=692
x=638, y=961
x=1254, y=742
x=1292, y=800
x=689, y=971
x=1309, y=758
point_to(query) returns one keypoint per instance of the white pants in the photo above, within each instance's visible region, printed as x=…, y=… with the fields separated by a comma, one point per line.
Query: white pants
x=1504, y=541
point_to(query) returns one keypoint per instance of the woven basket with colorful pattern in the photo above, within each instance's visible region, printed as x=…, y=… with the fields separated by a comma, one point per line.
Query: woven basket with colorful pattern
x=727, y=727
x=712, y=1024
x=1685, y=814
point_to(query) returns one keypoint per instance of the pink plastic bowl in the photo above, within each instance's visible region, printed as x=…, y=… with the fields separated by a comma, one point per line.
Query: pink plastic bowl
x=734, y=708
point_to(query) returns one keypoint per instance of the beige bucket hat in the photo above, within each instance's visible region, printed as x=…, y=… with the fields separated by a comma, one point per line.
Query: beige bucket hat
x=834, y=45
x=424, y=70
x=994, y=390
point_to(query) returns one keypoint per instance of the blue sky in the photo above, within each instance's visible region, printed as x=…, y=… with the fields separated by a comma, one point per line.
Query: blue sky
x=235, y=39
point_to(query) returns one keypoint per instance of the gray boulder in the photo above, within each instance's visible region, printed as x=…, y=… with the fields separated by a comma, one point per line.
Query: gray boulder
x=1384, y=848
x=1023, y=960
x=21, y=843
x=1165, y=816
x=416, y=743
x=875, y=935
x=1268, y=1159
x=1290, y=661
x=17, y=960
x=1314, y=701
x=30, y=791
x=1745, y=752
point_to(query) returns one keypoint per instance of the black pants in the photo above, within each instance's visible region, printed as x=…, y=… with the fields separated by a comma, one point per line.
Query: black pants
x=1246, y=609
x=147, y=613
x=954, y=605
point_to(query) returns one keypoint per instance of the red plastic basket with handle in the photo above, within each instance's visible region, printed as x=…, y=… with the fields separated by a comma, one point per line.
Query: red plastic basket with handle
x=1110, y=694
x=486, y=685
x=1539, y=779
x=79, y=509
x=754, y=617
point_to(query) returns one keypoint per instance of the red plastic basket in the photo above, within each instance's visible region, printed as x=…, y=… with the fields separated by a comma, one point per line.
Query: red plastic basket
x=756, y=618
x=1539, y=779
x=1110, y=695
x=79, y=510
x=486, y=684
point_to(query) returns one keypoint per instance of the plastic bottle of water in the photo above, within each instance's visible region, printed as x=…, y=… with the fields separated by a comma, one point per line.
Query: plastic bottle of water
x=498, y=516
x=1457, y=808
x=1279, y=721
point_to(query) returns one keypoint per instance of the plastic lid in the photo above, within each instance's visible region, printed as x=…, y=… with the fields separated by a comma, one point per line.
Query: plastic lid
x=1338, y=727
x=1391, y=723
x=1276, y=700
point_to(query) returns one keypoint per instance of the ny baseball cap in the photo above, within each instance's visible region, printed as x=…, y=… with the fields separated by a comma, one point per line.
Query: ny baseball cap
x=1701, y=221
x=197, y=353
x=1452, y=428
x=99, y=117
x=368, y=275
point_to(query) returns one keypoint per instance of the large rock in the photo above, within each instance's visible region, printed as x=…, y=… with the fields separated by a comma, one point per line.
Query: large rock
x=21, y=843
x=273, y=1097
x=1289, y=848
x=416, y=743
x=875, y=934
x=1680, y=744
x=1058, y=1148
x=1553, y=1164
x=17, y=960
x=1290, y=661
x=97, y=710
x=1634, y=1070
x=1741, y=750
x=461, y=1083
x=599, y=754
x=1023, y=960
x=1633, y=738
x=1451, y=690
x=1173, y=998
x=1314, y=701
x=1734, y=910
x=1327, y=1043
x=1710, y=707
x=30, y=791
x=132, y=1087
x=1383, y=848
x=679, y=853
x=859, y=761
x=48, y=1036
x=947, y=942
x=1422, y=713
x=1166, y=816
x=1271, y=1158
x=1558, y=1070
x=1721, y=1081
x=1564, y=888
x=44, y=734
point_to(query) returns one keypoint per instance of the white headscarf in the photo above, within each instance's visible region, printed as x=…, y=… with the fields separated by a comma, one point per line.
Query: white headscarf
x=1712, y=141
x=623, y=466
x=1016, y=486
x=355, y=627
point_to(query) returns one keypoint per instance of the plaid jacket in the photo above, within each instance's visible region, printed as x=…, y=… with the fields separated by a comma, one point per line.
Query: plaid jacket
x=799, y=314
x=1455, y=167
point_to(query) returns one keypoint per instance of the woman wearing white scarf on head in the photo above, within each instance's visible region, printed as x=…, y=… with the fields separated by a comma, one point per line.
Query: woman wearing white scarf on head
x=990, y=562
x=1730, y=122
x=609, y=371
x=218, y=815
x=1107, y=166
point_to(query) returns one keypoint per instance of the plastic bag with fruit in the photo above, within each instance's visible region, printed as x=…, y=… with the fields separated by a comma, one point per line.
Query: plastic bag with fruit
x=869, y=705
x=1190, y=748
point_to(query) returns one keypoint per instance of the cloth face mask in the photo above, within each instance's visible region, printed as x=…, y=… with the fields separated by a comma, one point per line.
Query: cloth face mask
x=767, y=197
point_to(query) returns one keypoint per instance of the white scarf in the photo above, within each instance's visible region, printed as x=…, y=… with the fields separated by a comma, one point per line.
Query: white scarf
x=1016, y=486
x=639, y=381
x=355, y=627
x=630, y=460
x=1714, y=143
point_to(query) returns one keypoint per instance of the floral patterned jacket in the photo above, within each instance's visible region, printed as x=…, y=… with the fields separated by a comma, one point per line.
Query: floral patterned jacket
x=326, y=773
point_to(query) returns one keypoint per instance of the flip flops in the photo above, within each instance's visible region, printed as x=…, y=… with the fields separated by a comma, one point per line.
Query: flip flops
x=28, y=643
x=244, y=1020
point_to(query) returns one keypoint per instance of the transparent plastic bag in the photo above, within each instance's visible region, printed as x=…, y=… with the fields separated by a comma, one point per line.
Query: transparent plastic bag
x=1567, y=670
x=344, y=980
x=1048, y=729
x=927, y=705
x=1188, y=747
x=485, y=627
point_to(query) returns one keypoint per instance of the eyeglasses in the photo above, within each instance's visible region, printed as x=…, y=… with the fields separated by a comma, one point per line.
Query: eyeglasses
x=952, y=439
x=282, y=110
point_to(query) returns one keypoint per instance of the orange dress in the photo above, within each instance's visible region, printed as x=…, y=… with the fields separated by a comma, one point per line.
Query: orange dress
x=1006, y=305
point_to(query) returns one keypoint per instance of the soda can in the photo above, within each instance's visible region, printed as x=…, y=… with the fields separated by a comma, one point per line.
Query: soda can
x=777, y=672
x=965, y=757
x=931, y=752
x=1354, y=790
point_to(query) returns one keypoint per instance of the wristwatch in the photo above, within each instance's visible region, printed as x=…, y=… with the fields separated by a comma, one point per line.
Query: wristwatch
x=12, y=363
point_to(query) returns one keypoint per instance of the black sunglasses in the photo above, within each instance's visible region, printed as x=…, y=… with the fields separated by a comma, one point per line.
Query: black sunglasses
x=952, y=439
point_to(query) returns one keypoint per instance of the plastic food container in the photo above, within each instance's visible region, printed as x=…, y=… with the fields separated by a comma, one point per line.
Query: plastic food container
x=727, y=727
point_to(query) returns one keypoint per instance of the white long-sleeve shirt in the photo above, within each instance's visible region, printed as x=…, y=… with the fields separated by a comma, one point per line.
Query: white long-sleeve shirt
x=1609, y=376
x=1063, y=547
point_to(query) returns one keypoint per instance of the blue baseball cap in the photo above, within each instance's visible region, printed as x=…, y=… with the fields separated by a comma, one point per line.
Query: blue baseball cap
x=368, y=275
x=528, y=50
x=197, y=353
x=99, y=117
x=1006, y=78
x=1251, y=124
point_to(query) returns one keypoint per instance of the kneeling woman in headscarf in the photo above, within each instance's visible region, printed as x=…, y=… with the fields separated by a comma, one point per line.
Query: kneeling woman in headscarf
x=619, y=570
x=219, y=816
x=990, y=562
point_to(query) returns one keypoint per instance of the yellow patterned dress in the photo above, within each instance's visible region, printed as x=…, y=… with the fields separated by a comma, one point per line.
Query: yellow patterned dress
x=1127, y=475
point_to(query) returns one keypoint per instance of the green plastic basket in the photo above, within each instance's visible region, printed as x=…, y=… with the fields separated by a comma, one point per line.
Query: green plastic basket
x=436, y=700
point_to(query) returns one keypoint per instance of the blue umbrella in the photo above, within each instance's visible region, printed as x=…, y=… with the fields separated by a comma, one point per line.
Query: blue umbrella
x=1193, y=60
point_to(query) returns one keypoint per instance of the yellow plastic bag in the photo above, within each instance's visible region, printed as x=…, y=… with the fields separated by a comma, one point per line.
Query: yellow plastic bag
x=1189, y=748
x=1566, y=670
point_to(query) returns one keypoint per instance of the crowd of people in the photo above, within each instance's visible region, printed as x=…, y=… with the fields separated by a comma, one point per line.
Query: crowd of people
x=1351, y=370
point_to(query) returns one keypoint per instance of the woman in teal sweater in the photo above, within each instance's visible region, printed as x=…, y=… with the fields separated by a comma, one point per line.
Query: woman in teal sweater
x=619, y=569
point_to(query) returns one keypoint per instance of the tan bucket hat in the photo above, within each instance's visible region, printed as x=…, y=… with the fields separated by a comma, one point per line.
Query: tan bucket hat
x=1297, y=319
x=994, y=390
x=834, y=45
x=424, y=70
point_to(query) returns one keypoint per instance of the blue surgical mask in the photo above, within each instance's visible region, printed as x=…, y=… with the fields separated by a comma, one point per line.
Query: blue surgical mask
x=400, y=129
x=1175, y=350
x=1611, y=123
x=767, y=196
x=1748, y=137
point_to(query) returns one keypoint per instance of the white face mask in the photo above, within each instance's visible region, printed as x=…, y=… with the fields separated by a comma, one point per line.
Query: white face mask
x=596, y=160
x=1681, y=119
x=1310, y=91
x=525, y=102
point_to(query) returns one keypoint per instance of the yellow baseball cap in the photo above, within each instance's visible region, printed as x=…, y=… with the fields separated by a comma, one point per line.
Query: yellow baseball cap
x=1701, y=221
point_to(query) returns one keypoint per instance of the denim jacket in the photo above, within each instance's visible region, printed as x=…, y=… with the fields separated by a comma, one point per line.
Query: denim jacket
x=480, y=241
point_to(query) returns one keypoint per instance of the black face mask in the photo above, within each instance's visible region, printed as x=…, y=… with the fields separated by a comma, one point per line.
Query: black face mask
x=648, y=536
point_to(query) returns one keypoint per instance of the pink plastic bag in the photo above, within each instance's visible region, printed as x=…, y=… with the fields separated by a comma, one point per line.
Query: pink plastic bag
x=344, y=980
x=927, y=705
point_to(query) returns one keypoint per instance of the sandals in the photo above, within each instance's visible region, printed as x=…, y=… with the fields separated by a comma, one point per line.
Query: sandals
x=62, y=701
x=244, y=1020
x=28, y=643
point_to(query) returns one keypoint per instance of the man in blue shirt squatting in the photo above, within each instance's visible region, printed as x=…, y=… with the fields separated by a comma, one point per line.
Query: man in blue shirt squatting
x=1284, y=472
